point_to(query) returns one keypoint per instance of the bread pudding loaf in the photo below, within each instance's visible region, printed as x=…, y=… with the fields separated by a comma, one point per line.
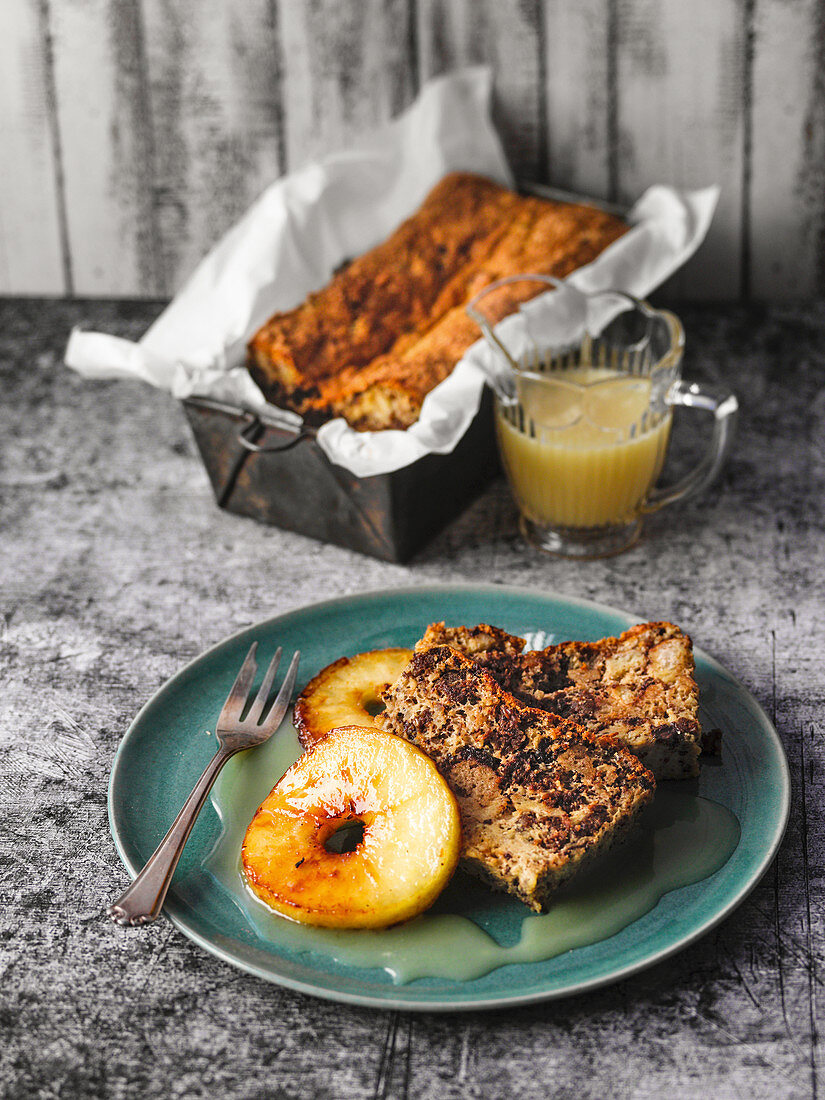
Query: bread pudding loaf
x=637, y=689
x=538, y=798
x=383, y=298
x=391, y=325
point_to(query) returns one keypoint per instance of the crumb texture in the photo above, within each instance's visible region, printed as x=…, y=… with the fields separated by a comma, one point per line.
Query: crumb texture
x=538, y=797
x=638, y=689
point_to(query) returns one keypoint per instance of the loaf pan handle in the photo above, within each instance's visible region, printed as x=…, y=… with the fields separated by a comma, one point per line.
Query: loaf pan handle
x=248, y=444
x=249, y=434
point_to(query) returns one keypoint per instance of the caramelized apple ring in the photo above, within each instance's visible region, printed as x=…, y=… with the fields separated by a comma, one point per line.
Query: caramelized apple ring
x=347, y=693
x=404, y=852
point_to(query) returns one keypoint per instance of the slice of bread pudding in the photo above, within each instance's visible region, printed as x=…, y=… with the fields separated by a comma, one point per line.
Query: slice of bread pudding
x=538, y=797
x=637, y=689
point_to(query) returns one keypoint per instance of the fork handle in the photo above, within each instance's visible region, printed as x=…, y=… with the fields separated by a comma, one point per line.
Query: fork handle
x=143, y=900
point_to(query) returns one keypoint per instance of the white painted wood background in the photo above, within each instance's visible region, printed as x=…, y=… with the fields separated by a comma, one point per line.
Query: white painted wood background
x=133, y=132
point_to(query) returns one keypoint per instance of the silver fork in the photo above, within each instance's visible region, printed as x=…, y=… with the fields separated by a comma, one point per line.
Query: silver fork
x=143, y=900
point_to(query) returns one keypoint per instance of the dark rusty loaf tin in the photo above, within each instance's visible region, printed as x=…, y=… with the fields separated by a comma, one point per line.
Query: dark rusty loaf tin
x=273, y=470
x=267, y=468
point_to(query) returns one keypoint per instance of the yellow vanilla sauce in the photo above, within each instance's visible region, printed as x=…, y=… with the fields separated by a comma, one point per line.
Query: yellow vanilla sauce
x=582, y=455
x=683, y=839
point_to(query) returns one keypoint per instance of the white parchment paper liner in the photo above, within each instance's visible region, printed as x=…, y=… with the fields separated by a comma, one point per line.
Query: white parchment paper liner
x=307, y=223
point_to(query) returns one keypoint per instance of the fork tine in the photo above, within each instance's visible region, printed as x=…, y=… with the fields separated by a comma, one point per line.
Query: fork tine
x=276, y=714
x=257, y=708
x=236, y=699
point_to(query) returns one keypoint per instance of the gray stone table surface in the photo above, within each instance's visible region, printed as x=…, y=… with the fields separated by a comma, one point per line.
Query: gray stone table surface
x=117, y=568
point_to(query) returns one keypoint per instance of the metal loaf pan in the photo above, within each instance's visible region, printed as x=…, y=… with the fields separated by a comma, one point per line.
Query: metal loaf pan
x=272, y=469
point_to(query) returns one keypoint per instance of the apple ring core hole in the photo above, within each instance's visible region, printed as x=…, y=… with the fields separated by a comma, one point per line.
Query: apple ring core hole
x=346, y=838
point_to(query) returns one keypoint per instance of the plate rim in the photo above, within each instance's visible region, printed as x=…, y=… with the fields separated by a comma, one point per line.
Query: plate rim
x=487, y=1002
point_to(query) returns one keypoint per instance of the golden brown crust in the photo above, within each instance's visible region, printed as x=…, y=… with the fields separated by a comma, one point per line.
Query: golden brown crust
x=637, y=688
x=386, y=297
x=538, y=797
x=388, y=328
x=472, y=640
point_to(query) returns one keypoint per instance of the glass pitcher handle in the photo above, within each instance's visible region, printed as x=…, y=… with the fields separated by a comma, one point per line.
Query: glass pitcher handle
x=723, y=404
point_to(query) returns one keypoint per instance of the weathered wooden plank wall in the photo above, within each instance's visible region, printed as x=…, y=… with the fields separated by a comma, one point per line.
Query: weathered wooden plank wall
x=786, y=243
x=105, y=143
x=505, y=34
x=213, y=80
x=680, y=103
x=580, y=95
x=32, y=251
x=133, y=132
x=347, y=68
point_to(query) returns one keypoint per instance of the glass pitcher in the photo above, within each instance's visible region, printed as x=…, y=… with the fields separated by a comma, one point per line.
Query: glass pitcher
x=585, y=386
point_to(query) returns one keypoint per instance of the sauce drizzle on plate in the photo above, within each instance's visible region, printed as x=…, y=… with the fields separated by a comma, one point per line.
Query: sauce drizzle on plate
x=683, y=839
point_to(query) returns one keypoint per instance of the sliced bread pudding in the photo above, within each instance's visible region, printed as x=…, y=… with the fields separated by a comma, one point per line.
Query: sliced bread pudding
x=538, y=797
x=637, y=689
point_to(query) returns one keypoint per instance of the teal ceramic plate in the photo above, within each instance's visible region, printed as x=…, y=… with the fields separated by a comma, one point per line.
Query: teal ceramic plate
x=167, y=747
